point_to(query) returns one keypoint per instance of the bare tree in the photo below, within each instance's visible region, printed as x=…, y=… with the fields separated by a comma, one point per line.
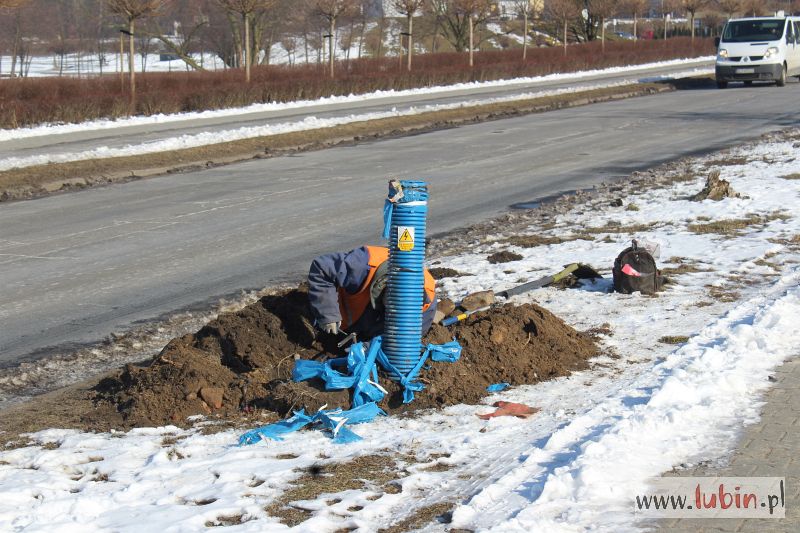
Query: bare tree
x=524, y=9
x=563, y=11
x=458, y=19
x=331, y=11
x=409, y=8
x=729, y=7
x=246, y=9
x=17, y=39
x=131, y=11
x=692, y=7
x=753, y=8
x=636, y=8
x=602, y=10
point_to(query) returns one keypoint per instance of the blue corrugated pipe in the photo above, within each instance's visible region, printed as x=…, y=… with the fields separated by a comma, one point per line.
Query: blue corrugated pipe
x=405, y=215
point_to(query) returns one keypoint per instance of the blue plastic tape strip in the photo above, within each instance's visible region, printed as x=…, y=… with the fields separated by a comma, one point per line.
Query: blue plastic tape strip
x=497, y=387
x=333, y=420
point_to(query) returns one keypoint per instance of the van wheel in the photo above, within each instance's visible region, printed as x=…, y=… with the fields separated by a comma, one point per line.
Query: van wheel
x=782, y=80
x=748, y=83
x=722, y=84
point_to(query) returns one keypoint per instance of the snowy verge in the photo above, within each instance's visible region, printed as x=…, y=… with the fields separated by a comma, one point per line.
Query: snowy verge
x=644, y=406
x=686, y=406
x=54, y=129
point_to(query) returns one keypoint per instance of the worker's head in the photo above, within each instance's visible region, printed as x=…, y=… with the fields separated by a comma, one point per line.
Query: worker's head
x=377, y=289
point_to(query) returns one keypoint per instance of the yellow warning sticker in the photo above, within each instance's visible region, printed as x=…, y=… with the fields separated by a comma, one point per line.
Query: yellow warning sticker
x=405, y=239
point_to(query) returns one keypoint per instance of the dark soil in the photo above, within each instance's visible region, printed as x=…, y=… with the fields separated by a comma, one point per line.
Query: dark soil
x=242, y=362
x=503, y=257
x=441, y=273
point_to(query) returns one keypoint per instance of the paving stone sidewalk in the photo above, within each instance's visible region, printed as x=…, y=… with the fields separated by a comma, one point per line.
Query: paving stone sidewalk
x=769, y=448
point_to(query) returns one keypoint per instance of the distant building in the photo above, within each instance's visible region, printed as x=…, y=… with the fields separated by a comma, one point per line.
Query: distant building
x=507, y=9
x=503, y=8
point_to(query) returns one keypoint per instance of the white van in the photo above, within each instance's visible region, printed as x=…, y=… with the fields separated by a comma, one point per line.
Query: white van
x=759, y=49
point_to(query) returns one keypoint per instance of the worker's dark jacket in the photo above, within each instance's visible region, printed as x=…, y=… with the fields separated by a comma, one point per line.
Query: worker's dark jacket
x=338, y=290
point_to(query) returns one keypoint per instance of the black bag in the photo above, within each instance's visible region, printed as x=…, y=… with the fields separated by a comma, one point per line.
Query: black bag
x=635, y=270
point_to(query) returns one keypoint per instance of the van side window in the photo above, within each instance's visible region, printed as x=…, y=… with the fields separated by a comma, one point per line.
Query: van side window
x=789, y=32
x=797, y=31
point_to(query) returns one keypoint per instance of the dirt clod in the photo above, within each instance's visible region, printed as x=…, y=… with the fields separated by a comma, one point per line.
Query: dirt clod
x=503, y=257
x=476, y=300
x=441, y=273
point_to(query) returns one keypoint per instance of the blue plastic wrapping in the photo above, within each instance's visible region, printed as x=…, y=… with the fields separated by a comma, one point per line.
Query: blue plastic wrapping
x=333, y=420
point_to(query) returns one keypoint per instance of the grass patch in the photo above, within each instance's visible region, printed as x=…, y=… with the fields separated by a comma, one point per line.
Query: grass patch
x=632, y=207
x=735, y=226
x=441, y=512
x=673, y=339
x=226, y=520
x=43, y=179
x=684, y=266
x=726, y=227
x=598, y=332
x=532, y=241
x=727, y=161
x=792, y=241
x=438, y=466
x=613, y=226
x=286, y=456
x=795, y=176
x=722, y=295
x=368, y=471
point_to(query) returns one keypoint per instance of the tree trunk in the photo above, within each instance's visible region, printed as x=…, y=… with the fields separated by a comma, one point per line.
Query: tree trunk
x=635, y=34
x=330, y=44
x=248, y=48
x=603, y=34
x=121, y=61
x=15, y=47
x=691, y=21
x=525, y=37
x=471, y=62
x=131, y=64
x=565, y=37
x=305, y=42
x=410, y=39
x=381, y=28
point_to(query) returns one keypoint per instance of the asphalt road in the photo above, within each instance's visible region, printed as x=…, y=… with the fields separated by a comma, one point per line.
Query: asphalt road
x=123, y=136
x=78, y=266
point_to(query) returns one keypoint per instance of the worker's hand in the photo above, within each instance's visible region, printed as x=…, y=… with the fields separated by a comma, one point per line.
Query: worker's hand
x=331, y=328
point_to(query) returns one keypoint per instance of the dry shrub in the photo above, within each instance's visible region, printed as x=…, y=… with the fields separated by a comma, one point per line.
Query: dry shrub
x=25, y=102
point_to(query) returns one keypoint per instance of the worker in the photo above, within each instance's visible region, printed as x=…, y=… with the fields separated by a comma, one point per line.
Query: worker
x=346, y=292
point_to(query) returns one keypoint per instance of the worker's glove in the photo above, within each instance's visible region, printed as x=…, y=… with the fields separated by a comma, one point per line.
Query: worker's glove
x=331, y=328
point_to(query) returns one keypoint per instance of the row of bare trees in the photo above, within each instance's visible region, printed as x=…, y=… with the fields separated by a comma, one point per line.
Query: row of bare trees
x=242, y=32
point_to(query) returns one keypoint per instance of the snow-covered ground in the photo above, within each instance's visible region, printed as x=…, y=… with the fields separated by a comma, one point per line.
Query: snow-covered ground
x=87, y=64
x=309, y=122
x=643, y=407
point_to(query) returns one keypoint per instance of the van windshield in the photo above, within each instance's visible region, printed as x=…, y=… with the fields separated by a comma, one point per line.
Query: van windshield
x=743, y=31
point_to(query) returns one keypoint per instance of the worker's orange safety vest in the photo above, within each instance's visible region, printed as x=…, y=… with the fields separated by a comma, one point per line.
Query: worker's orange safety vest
x=352, y=306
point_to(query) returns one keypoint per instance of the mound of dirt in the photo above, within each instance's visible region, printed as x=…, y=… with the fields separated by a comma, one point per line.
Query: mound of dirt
x=243, y=361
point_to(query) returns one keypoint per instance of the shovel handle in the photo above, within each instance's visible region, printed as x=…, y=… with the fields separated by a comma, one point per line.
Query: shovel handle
x=458, y=318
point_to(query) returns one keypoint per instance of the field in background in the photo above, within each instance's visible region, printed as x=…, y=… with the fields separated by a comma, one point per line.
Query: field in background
x=30, y=101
